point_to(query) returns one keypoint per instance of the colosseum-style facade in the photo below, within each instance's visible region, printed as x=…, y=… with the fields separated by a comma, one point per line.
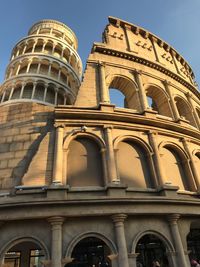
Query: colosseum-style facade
x=85, y=182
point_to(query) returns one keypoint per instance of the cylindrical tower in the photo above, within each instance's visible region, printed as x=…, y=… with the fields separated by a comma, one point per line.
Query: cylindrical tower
x=44, y=67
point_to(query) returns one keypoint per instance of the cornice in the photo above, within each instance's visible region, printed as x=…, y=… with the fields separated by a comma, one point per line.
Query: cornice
x=96, y=117
x=139, y=30
x=111, y=52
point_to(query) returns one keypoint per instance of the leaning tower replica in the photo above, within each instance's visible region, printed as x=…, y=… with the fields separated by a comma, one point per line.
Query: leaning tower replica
x=84, y=181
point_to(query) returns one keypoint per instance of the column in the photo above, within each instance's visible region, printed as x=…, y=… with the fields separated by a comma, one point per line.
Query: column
x=24, y=50
x=38, y=68
x=59, y=73
x=103, y=87
x=173, y=104
x=180, y=258
x=11, y=72
x=156, y=157
x=153, y=41
x=45, y=92
x=104, y=163
x=28, y=66
x=18, y=68
x=49, y=70
x=192, y=163
x=33, y=92
x=11, y=92
x=196, y=117
x=56, y=96
x=111, y=163
x=22, y=90
x=58, y=156
x=33, y=48
x=43, y=46
x=3, y=96
x=143, y=97
x=118, y=220
x=56, y=241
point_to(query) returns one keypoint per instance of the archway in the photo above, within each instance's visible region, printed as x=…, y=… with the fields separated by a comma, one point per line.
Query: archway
x=193, y=241
x=90, y=251
x=24, y=253
x=151, y=248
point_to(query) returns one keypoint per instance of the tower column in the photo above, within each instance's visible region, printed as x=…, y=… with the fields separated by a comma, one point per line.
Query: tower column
x=118, y=221
x=180, y=258
x=58, y=156
x=56, y=241
x=194, y=112
x=103, y=87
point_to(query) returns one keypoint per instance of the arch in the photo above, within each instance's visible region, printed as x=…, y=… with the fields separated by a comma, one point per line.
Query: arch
x=89, y=170
x=159, y=98
x=84, y=235
x=193, y=240
x=127, y=86
x=20, y=239
x=138, y=170
x=176, y=165
x=184, y=110
x=164, y=247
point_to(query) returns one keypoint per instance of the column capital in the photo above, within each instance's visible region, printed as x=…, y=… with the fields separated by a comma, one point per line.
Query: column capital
x=57, y=220
x=101, y=64
x=108, y=127
x=139, y=72
x=166, y=82
x=119, y=218
x=173, y=218
x=59, y=125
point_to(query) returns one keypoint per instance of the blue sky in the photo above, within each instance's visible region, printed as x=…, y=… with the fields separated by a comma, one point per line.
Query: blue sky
x=175, y=21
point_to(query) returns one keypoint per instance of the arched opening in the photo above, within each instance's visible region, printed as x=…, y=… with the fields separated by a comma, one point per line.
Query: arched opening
x=24, y=254
x=158, y=101
x=184, y=110
x=27, y=93
x=124, y=92
x=197, y=160
x=175, y=169
x=135, y=171
x=150, y=249
x=193, y=242
x=16, y=92
x=90, y=251
x=85, y=164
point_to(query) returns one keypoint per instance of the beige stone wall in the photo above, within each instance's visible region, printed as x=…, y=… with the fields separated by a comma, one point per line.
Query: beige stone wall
x=26, y=134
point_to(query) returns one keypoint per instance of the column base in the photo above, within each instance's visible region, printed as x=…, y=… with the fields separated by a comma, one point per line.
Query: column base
x=57, y=192
x=168, y=190
x=116, y=189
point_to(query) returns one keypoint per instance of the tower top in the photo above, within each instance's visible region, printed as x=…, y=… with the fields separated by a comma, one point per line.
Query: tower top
x=60, y=30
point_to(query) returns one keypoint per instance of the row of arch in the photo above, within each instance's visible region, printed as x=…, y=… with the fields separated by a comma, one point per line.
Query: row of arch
x=51, y=47
x=139, y=171
x=63, y=35
x=36, y=91
x=43, y=66
x=95, y=249
x=125, y=93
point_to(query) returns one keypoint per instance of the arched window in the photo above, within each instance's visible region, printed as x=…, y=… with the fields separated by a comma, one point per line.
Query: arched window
x=150, y=248
x=124, y=90
x=175, y=170
x=184, y=110
x=135, y=171
x=197, y=160
x=90, y=251
x=25, y=253
x=28, y=91
x=84, y=163
x=158, y=101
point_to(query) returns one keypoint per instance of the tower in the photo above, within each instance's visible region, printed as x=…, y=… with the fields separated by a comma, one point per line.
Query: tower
x=85, y=182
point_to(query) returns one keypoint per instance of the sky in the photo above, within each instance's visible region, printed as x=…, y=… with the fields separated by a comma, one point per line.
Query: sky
x=175, y=21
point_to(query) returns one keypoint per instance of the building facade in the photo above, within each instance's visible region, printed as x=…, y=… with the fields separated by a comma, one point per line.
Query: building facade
x=83, y=182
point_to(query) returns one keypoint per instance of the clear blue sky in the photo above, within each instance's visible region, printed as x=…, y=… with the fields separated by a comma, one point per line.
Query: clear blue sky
x=175, y=21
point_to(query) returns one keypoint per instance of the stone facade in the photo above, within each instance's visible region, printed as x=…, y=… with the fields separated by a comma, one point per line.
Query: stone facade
x=81, y=177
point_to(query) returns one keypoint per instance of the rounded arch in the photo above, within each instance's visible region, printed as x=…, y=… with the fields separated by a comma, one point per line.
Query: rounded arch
x=82, y=236
x=135, y=139
x=79, y=133
x=159, y=99
x=128, y=87
x=20, y=239
x=175, y=147
x=184, y=109
x=138, y=171
x=176, y=166
x=169, y=246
